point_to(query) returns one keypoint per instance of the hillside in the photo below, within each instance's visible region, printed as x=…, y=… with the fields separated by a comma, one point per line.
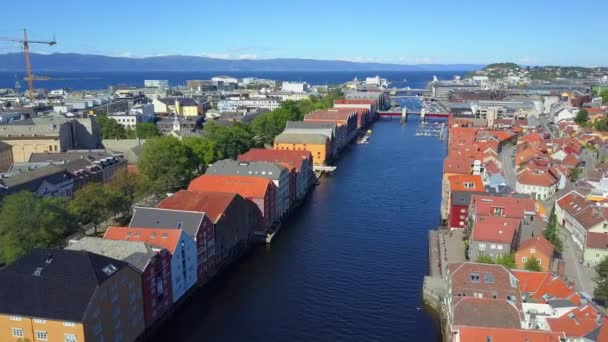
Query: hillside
x=72, y=62
x=500, y=70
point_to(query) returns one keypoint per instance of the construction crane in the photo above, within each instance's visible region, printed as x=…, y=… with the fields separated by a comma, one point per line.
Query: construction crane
x=26, y=52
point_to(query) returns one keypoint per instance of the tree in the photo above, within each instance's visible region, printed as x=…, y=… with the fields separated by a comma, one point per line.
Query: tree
x=582, y=116
x=507, y=260
x=91, y=204
x=110, y=128
x=604, y=95
x=145, y=130
x=131, y=185
x=166, y=163
x=550, y=233
x=575, y=174
x=600, y=293
x=533, y=265
x=27, y=222
x=204, y=150
x=484, y=259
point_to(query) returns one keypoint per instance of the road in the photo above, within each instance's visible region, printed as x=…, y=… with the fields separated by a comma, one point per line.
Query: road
x=575, y=271
x=508, y=165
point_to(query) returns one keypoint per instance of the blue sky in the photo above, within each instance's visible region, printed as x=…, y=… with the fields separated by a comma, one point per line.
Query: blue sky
x=397, y=31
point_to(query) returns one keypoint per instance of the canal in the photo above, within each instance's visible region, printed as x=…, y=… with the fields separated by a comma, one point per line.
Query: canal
x=347, y=267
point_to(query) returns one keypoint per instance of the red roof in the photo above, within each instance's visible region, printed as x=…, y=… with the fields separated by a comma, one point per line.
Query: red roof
x=583, y=322
x=597, y=240
x=514, y=207
x=355, y=101
x=330, y=115
x=214, y=204
x=544, y=179
x=291, y=159
x=540, y=284
x=248, y=187
x=540, y=244
x=164, y=238
x=466, y=183
x=481, y=334
x=495, y=229
x=457, y=166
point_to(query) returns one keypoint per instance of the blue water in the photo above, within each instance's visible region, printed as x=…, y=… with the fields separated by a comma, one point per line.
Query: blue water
x=93, y=80
x=347, y=267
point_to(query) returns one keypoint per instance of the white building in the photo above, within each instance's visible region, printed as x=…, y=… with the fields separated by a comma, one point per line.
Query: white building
x=57, y=94
x=225, y=79
x=62, y=109
x=296, y=87
x=261, y=103
x=125, y=119
x=145, y=111
x=156, y=83
x=540, y=186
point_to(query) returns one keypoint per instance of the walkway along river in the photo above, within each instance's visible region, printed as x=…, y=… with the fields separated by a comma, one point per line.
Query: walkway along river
x=348, y=266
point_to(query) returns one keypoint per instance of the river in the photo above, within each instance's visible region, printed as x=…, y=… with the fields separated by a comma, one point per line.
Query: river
x=347, y=267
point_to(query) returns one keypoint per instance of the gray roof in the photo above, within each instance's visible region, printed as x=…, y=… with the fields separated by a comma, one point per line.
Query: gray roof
x=189, y=221
x=183, y=101
x=561, y=303
x=301, y=138
x=27, y=176
x=463, y=197
x=243, y=168
x=71, y=155
x=311, y=125
x=40, y=126
x=130, y=148
x=54, y=283
x=133, y=252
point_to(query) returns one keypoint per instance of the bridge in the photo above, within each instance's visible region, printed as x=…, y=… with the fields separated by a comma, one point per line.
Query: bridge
x=391, y=114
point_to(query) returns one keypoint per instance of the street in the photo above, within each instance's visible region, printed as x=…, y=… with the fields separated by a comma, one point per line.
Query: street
x=507, y=159
x=575, y=271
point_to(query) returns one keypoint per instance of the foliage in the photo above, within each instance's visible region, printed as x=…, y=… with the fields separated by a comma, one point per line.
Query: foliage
x=533, y=265
x=600, y=293
x=146, y=130
x=507, y=260
x=27, y=222
x=484, y=259
x=604, y=95
x=204, y=150
x=230, y=141
x=110, y=128
x=582, y=116
x=166, y=163
x=550, y=233
x=575, y=174
x=91, y=204
x=130, y=185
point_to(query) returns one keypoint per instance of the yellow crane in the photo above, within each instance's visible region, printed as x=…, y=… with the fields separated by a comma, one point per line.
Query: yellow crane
x=26, y=52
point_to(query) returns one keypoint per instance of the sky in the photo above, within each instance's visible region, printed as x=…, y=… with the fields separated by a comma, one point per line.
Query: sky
x=528, y=32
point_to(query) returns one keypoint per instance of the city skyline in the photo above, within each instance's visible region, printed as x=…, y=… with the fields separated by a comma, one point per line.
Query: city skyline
x=384, y=32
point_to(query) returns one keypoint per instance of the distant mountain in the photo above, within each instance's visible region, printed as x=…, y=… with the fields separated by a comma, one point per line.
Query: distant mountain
x=73, y=62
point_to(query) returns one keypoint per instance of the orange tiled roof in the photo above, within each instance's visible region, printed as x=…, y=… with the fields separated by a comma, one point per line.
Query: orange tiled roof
x=248, y=187
x=539, y=284
x=213, y=204
x=544, y=179
x=540, y=244
x=164, y=238
x=466, y=183
x=481, y=334
x=495, y=229
x=457, y=166
x=583, y=322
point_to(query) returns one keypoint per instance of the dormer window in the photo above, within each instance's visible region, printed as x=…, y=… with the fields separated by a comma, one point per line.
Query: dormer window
x=474, y=277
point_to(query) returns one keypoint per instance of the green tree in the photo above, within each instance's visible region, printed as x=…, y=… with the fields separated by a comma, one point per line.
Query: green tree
x=27, y=222
x=204, y=149
x=533, y=265
x=575, y=174
x=604, y=95
x=110, y=128
x=507, y=260
x=582, y=116
x=146, y=130
x=131, y=185
x=166, y=163
x=600, y=294
x=550, y=233
x=91, y=204
x=484, y=259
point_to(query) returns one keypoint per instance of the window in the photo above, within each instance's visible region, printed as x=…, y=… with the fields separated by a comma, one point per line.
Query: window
x=69, y=338
x=493, y=246
x=41, y=335
x=499, y=247
x=524, y=259
x=17, y=332
x=482, y=246
x=539, y=261
x=463, y=210
x=474, y=277
x=15, y=318
x=39, y=321
x=488, y=278
x=69, y=324
x=532, y=250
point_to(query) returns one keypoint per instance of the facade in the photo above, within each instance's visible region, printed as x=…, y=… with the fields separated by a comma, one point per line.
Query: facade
x=296, y=87
x=493, y=236
x=345, y=119
x=45, y=181
x=541, y=186
x=459, y=209
x=50, y=135
x=459, y=183
x=156, y=83
x=66, y=295
x=235, y=219
x=6, y=156
x=580, y=217
x=317, y=144
x=153, y=264
x=181, y=247
x=299, y=164
x=183, y=106
x=328, y=129
x=278, y=174
x=596, y=249
x=258, y=103
x=195, y=224
x=537, y=247
x=260, y=191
